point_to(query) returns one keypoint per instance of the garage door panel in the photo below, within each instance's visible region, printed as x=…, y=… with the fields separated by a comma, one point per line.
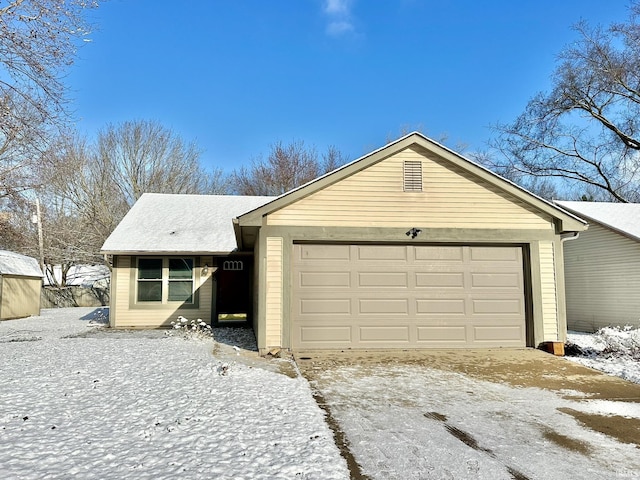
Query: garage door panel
x=328, y=334
x=325, y=306
x=383, y=334
x=497, y=306
x=496, y=254
x=407, y=296
x=383, y=279
x=509, y=281
x=324, y=252
x=433, y=253
x=440, y=279
x=443, y=334
x=383, y=306
x=330, y=279
x=382, y=252
x=441, y=306
x=492, y=334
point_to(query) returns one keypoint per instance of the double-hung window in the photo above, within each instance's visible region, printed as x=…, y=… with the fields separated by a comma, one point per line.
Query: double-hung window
x=165, y=280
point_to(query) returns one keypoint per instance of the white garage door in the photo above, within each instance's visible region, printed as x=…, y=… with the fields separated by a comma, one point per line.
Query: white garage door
x=405, y=296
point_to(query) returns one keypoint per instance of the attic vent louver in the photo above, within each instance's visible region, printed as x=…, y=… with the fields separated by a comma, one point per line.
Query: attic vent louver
x=412, y=176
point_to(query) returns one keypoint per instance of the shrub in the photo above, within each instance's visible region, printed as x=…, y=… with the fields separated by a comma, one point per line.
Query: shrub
x=191, y=328
x=619, y=341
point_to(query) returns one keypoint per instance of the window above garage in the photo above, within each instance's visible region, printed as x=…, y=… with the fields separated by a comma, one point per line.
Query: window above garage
x=412, y=176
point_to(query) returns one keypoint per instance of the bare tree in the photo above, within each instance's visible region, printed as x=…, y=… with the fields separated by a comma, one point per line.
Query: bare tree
x=587, y=129
x=88, y=188
x=16, y=231
x=543, y=187
x=38, y=41
x=286, y=167
x=144, y=156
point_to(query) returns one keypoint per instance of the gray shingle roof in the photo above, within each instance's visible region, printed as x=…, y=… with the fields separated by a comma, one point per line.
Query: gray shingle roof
x=172, y=223
x=622, y=217
x=16, y=264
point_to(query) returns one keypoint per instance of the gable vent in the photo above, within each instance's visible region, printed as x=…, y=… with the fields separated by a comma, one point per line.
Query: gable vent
x=412, y=176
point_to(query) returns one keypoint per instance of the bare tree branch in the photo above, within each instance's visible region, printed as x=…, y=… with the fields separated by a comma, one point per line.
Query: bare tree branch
x=88, y=188
x=38, y=42
x=286, y=167
x=587, y=129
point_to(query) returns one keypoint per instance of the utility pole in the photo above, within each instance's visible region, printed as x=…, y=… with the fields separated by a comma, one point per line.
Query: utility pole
x=37, y=219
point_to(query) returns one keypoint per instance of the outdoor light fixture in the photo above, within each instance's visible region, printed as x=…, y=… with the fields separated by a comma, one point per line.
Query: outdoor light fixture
x=413, y=233
x=205, y=269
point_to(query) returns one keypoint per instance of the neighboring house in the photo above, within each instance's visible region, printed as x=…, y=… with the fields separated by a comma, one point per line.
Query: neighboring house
x=410, y=246
x=602, y=266
x=20, y=285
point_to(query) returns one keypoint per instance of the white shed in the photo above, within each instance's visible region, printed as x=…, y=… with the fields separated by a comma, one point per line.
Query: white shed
x=20, y=285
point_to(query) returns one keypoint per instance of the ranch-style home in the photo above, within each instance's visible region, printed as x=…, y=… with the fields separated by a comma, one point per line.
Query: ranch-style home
x=602, y=266
x=410, y=246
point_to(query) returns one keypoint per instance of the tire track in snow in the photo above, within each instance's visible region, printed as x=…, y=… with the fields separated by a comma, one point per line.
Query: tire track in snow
x=471, y=442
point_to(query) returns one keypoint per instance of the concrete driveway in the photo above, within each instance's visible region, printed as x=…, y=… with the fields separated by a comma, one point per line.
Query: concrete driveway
x=494, y=414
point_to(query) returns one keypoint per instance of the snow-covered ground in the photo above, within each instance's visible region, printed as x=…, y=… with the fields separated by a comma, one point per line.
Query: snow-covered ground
x=79, y=401
x=425, y=420
x=415, y=422
x=612, y=350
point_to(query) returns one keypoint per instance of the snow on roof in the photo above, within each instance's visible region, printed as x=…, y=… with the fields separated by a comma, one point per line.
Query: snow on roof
x=169, y=223
x=16, y=264
x=622, y=217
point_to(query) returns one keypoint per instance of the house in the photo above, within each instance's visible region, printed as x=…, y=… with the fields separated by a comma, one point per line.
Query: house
x=409, y=246
x=602, y=266
x=20, y=285
x=177, y=255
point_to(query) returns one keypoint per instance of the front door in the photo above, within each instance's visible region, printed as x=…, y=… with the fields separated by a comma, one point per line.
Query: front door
x=234, y=299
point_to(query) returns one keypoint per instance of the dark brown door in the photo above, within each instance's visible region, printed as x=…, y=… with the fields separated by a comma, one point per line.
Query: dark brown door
x=234, y=299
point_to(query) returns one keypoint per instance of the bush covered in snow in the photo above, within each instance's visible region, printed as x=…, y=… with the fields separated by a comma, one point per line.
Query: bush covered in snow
x=613, y=350
x=619, y=341
x=607, y=342
x=191, y=328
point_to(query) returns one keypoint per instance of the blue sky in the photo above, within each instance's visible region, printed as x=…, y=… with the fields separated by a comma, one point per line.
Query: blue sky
x=237, y=76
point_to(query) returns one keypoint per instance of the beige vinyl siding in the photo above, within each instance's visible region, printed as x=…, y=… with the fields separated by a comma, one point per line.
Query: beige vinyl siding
x=128, y=315
x=20, y=297
x=602, y=277
x=375, y=197
x=548, y=292
x=274, y=291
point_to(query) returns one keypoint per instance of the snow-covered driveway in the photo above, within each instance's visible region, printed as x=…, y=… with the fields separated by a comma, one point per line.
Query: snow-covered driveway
x=492, y=415
x=80, y=402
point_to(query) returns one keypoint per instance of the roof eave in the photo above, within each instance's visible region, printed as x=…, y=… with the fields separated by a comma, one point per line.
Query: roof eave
x=590, y=219
x=166, y=252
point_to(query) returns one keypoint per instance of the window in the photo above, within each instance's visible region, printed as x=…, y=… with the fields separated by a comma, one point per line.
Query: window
x=150, y=280
x=163, y=280
x=412, y=176
x=180, y=280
